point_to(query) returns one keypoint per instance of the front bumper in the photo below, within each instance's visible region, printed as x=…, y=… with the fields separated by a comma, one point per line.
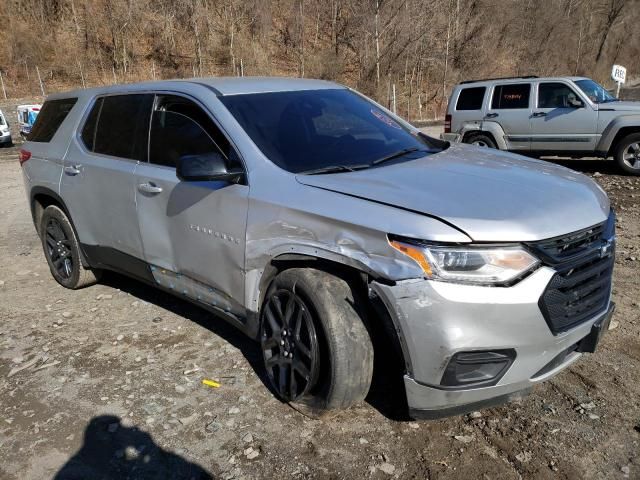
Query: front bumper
x=5, y=138
x=436, y=320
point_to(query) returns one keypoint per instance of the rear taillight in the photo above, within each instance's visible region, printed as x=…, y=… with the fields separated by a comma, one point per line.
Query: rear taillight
x=24, y=156
x=447, y=123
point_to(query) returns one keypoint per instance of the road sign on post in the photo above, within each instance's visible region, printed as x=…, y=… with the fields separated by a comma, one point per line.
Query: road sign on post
x=619, y=75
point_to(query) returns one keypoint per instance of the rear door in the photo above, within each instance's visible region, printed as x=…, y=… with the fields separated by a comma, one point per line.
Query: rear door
x=98, y=182
x=193, y=233
x=510, y=107
x=562, y=120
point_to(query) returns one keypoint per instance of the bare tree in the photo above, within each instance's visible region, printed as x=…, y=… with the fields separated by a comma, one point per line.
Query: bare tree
x=613, y=15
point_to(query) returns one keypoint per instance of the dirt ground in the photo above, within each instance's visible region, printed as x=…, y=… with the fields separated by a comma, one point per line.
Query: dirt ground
x=105, y=382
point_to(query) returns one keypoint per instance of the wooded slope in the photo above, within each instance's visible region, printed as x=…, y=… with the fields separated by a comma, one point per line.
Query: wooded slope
x=421, y=46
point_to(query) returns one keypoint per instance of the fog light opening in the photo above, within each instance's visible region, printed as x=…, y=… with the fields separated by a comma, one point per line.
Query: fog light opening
x=477, y=369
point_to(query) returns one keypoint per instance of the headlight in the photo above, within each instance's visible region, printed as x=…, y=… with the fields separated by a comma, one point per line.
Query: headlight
x=469, y=264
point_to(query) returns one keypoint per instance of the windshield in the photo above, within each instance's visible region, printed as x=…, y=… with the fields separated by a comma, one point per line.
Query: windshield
x=2, y=120
x=315, y=131
x=596, y=92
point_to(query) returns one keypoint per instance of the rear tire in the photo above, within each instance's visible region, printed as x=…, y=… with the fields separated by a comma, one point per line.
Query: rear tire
x=480, y=140
x=323, y=329
x=62, y=250
x=627, y=154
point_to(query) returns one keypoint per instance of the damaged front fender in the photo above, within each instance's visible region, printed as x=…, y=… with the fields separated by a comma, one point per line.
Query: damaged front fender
x=334, y=227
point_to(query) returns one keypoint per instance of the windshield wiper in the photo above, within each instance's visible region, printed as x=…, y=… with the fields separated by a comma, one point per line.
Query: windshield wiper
x=334, y=169
x=397, y=154
x=353, y=168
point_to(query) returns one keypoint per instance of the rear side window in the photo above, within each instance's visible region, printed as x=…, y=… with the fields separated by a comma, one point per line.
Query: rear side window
x=50, y=118
x=471, y=98
x=511, y=96
x=181, y=128
x=120, y=126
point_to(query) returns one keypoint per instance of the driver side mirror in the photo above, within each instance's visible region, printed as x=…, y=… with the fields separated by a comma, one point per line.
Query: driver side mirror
x=206, y=167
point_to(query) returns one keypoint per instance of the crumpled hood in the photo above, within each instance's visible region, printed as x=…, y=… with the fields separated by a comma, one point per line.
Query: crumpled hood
x=621, y=106
x=490, y=195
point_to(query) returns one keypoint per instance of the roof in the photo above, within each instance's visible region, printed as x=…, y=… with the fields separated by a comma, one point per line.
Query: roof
x=527, y=78
x=222, y=86
x=244, y=85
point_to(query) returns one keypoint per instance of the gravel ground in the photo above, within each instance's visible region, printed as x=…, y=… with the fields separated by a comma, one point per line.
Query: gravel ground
x=105, y=382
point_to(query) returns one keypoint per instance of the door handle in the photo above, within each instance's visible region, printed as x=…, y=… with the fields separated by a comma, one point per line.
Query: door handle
x=491, y=115
x=149, y=188
x=72, y=170
x=539, y=114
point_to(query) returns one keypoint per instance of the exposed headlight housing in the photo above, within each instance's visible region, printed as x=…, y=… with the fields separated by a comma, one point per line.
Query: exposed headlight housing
x=483, y=265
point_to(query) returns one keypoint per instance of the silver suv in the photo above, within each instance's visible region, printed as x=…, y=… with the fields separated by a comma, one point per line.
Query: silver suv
x=328, y=229
x=567, y=116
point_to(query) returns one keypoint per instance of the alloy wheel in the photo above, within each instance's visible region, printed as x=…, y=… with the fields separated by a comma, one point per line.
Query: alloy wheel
x=631, y=156
x=59, y=248
x=289, y=345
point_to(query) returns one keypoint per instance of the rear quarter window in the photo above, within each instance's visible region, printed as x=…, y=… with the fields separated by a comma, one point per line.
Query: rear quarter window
x=89, y=130
x=471, y=98
x=50, y=118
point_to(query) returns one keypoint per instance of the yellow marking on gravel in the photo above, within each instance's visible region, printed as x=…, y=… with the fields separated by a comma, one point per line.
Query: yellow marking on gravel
x=210, y=383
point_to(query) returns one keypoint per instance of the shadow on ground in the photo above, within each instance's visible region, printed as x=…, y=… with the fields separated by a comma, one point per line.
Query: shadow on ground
x=387, y=389
x=113, y=451
x=606, y=167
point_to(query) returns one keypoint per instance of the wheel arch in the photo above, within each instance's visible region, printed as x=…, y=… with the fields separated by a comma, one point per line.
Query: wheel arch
x=379, y=321
x=617, y=129
x=344, y=267
x=474, y=133
x=40, y=199
x=620, y=134
x=490, y=129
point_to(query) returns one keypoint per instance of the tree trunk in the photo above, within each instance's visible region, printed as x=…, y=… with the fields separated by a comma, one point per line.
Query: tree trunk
x=377, y=40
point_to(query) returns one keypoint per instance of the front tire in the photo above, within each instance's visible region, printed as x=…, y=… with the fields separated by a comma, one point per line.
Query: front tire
x=62, y=250
x=627, y=154
x=316, y=348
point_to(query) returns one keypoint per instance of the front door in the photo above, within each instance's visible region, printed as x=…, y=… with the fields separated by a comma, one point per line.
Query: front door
x=562, y=120
x=193, y=233
x=511, y=108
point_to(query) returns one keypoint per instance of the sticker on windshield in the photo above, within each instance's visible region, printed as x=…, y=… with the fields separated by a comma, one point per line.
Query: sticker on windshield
x=383, y=118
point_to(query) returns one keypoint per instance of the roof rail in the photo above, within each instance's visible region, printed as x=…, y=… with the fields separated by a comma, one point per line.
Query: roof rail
x=497, y=78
